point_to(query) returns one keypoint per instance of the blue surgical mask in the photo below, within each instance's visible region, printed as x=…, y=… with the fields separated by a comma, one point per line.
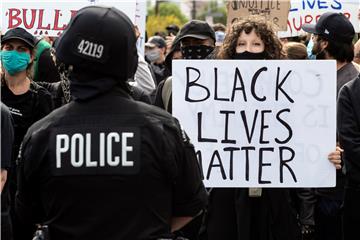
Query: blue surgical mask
x=309, y=49
x=14, y=61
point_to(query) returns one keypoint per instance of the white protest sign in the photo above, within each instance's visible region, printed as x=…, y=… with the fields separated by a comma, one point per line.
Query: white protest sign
x=259, y=123
x=309, y=11
x=49, y=18
x=140, y=21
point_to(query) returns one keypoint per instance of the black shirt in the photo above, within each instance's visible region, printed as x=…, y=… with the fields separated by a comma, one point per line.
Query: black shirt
x=26, y=108
x=7, y=137
x=129, y=190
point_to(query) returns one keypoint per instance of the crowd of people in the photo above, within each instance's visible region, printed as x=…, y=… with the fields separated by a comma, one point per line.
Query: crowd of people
x=90, y=150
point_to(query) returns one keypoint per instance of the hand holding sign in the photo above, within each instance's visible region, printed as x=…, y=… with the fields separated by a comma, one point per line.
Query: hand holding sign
x=259, y=123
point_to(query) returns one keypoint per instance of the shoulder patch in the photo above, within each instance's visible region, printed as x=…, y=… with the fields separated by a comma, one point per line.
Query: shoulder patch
x=91, y=49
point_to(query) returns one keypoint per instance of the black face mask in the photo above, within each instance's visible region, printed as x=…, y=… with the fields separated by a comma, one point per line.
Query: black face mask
x=249, y=55
x=196, y=52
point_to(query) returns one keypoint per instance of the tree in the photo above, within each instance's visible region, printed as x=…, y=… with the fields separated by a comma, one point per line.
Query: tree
x=168, y=13
x=156, y=24
x=168, y=9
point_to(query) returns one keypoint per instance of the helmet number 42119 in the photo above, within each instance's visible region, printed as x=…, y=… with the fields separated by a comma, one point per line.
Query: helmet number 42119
x=91, y=49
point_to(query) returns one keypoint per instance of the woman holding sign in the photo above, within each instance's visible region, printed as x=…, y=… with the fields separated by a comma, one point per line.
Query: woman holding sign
x=253, y=213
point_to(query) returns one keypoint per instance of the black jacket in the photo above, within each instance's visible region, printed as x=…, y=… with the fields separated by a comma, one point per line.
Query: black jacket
x=107, y=168
x=348, y=118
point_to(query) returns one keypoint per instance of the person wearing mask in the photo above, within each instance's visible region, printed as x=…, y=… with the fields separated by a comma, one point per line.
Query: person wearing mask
x=26, y=100
x=105, y=166
x=332, y=36
x=220, y=31
x=248, y=213
x=197, y=41
x=155, y=50
x=348, y=118
x=7, y=139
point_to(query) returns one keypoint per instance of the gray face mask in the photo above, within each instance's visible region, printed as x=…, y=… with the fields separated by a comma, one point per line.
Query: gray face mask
x=153, y=55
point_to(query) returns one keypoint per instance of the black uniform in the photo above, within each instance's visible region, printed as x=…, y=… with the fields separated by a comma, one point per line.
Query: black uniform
x=105, y=166
x=129, y=189
x=349, y=137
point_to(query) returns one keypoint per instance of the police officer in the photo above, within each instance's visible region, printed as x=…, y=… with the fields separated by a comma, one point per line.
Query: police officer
x=105, y=166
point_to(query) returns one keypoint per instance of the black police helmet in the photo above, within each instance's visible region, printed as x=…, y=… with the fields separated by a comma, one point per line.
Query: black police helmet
x=101, y=40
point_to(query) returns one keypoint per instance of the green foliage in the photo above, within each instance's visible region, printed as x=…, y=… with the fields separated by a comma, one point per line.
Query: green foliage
x=168, y=13
x=168, y=9
x=159, y=23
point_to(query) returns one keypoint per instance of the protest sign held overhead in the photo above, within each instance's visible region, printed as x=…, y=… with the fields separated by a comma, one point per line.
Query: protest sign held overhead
x=275, y=11
x=259, y=123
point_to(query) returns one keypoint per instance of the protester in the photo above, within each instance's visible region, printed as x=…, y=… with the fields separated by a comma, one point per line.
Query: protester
x=44, y=65
x=242, y=213
x=27, y=101
x=333, y=35
x=219, y=30
x=155, y=51
x=348, y=118
x=197, y=41
x=7, y=139
x=145, y=185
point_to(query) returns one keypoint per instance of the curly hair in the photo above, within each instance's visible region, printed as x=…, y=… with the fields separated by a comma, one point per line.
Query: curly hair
x=273, y=46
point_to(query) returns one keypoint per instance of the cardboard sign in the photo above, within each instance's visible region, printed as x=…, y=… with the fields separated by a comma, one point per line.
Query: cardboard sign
x=309, y=11
x=49, y=18
x=259, y=123
x=275, y=11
